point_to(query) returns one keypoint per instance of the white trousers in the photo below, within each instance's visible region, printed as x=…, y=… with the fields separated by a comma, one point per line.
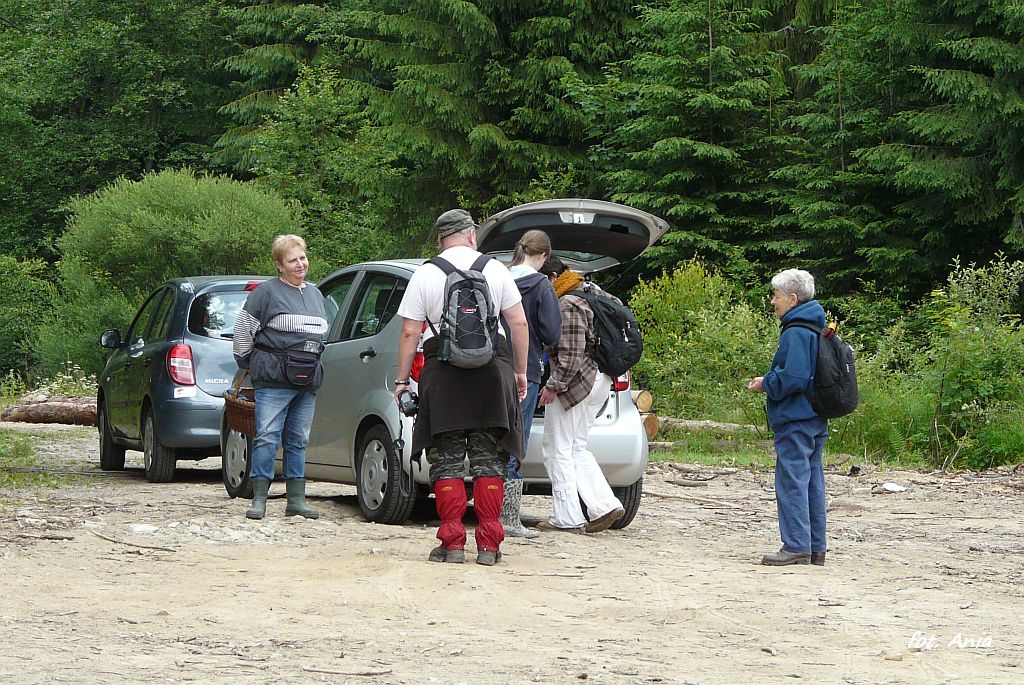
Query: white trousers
x=571, y=467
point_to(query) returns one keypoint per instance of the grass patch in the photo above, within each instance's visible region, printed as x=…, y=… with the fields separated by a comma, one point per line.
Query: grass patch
x=16, y=460
x=739, y=450
x=751, y=450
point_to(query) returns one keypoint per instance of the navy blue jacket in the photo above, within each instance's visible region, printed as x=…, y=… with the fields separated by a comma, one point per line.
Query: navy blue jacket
x=793, y=367
x=541, y=306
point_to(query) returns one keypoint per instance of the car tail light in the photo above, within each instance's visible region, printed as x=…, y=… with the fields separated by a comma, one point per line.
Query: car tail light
x=179, y=365
x=251, y=285
x=621, y=383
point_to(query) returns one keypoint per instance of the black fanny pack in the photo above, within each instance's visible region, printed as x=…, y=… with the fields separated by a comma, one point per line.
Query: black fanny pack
x=300, y=364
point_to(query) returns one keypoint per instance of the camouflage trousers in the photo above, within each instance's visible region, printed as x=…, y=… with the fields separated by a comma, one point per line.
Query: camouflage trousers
x=447, y=456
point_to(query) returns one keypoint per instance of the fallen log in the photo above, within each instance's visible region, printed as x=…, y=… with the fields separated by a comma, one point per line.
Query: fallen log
x=643, y=400
x=78, y=411
x=709, y=426
x=652, y=425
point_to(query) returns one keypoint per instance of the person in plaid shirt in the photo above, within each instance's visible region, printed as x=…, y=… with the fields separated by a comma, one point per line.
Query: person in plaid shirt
x=572, y=395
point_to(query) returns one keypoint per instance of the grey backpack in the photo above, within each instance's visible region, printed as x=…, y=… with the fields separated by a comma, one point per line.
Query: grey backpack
x=468, y=329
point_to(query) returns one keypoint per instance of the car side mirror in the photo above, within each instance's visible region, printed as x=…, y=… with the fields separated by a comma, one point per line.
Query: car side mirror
x=110, y=338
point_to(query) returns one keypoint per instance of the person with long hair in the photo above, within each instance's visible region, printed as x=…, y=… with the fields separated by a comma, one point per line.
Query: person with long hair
x=542, y=313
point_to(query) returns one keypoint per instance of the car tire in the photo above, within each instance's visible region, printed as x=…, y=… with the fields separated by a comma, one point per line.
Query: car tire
x=235, y=463
x=378, y=471
x=158, y=459
x=630, y=497
x=111, y=454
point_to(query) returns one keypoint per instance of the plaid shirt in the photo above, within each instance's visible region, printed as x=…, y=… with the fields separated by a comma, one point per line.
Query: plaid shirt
x=573, y=371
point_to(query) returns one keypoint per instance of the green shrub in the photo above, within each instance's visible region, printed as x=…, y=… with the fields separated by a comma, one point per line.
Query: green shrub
x=126, y=239
x=953, y=396
x=701, y=344
x=26, y=297
x=892, y=424
x=175, y=223
x=88, y=305
x=310, y=151
x=12, y=387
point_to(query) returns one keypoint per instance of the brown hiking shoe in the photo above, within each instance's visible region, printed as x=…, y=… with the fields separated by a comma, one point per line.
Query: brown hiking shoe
x=818, y=558
x=547, y=525
x=605, y=522
x=785, y=558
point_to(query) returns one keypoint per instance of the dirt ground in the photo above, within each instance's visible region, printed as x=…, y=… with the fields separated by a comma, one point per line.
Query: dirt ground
x=109, y=579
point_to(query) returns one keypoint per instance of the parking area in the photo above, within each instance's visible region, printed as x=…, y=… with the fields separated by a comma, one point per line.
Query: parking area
x=111, y=579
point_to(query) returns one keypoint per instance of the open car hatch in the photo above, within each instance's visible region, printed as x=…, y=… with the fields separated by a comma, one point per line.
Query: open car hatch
x=588, y=235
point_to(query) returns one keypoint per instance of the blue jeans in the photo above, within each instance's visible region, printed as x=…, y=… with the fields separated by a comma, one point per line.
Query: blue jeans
x=527, y=407
x=283, y=417
x=800, y=485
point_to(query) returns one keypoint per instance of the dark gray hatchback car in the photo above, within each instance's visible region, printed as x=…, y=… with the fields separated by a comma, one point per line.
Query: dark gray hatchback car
x=162, y=389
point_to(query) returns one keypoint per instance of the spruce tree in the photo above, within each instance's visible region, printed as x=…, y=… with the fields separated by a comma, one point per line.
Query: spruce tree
x=692, y=129
x=271, y=46
x=467, y=102
x=911, y=144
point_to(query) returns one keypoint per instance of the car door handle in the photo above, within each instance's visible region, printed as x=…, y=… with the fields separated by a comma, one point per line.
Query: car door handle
x=370, y=352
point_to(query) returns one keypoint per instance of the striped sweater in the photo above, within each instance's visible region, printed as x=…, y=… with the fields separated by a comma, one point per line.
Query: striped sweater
x=279, y=316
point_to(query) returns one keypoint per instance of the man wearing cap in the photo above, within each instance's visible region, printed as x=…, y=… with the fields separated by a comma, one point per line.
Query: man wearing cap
x=462, y=412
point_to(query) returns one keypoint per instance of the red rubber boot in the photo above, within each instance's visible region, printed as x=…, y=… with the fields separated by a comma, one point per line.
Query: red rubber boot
x=451, y=505
x=488, y=494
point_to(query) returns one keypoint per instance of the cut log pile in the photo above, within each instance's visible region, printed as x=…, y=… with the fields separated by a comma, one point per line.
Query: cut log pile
x=78, y=411
x=653, y=423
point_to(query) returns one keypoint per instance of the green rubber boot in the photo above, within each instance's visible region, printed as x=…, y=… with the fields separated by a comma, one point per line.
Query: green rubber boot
x=296, y=491
x=260, y=488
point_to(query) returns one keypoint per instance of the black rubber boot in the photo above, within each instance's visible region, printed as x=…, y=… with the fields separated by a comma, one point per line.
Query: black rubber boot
x=296, y=492
x=260, y=488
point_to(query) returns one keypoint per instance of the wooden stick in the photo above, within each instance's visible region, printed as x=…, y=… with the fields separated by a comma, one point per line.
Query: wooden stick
x=715, y=471
x=694, y=498
x=307, y=669
x=709, y=426
x=45, y=537
x=132, y=544
x=682, y=482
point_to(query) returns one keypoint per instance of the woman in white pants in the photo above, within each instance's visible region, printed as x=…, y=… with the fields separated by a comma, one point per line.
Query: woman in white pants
x=572, y=395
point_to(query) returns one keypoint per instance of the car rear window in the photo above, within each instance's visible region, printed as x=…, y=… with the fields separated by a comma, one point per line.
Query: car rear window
x=213, y=315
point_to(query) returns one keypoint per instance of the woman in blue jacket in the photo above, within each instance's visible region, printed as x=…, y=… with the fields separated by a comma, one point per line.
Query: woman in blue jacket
x=800, y=434
x=545, y=319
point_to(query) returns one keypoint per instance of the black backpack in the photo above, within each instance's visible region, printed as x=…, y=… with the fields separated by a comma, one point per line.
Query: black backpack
x=834, y=391
x=617, y=344
x=469, y=325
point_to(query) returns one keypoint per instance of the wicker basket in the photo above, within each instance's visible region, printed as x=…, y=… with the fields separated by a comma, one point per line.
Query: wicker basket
x=240, y=408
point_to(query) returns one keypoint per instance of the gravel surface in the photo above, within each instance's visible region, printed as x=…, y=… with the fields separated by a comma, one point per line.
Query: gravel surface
x=110, y=579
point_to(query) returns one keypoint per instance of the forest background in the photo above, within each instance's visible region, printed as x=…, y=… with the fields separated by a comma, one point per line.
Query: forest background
x=877, y=143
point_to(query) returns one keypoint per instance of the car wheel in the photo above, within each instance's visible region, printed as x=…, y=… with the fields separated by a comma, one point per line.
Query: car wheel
x=111, y=455
x=378, y=470
x=630, y=497
x=159, y=460
x=234, y=464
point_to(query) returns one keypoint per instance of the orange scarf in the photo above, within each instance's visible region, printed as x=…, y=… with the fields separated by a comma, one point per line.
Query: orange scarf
x=566, y=282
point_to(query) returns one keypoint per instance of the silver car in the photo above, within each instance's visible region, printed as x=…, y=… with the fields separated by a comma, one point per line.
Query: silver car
x=358, y=436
